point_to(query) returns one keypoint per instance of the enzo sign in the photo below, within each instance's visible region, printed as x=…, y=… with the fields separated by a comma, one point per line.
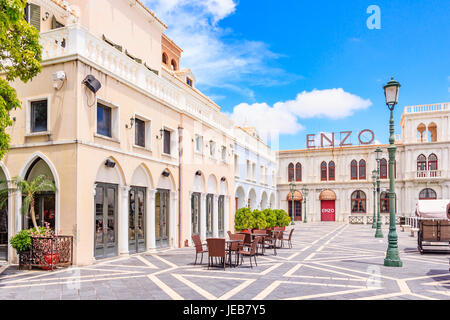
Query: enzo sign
x=327, y=140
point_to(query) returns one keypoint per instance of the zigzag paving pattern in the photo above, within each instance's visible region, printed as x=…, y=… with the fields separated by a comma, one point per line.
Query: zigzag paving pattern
x=328, y=261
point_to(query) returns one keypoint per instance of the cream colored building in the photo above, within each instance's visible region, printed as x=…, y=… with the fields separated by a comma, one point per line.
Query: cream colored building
x=338, y=179
x=125, y=159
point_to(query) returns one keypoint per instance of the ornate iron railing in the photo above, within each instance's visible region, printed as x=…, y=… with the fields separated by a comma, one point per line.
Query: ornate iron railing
x=48, y=253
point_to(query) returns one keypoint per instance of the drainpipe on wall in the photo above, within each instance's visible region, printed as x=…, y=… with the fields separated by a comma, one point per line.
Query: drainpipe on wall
x=180, y=155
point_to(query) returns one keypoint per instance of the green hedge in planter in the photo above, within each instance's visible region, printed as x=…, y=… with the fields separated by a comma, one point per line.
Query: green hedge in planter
x=244, y=219
x=283, y=219
x=21, y=241
x=259, y=221
x=271, y=218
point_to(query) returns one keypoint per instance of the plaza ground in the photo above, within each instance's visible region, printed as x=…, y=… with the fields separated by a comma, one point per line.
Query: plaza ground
x=328, y=261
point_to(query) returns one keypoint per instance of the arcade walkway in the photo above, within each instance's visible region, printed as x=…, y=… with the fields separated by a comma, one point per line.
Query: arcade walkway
x=328, y=261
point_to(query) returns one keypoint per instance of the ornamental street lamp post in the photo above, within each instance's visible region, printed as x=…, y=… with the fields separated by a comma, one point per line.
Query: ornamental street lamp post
x=392, y=256
x=374, y=182
x=378, y=233
x=292, y=189
x=305, y=194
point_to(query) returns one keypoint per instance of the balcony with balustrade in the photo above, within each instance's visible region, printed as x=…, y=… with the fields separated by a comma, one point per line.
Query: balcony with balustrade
x=76, y=42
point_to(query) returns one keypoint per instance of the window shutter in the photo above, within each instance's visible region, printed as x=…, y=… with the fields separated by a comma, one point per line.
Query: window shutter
x=35, y=16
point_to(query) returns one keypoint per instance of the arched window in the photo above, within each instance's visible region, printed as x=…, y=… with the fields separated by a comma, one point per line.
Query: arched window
x=291, y=172
x=354, y=170
x=421, y=163
x=164, y=58
x=298, y=172
x=362, y=169
x=173, y=63
x=384, y=202
x=323, y=171
x=383, y=169
x=427, y=194
x=432, y=162
x=358, y=202
x=420, y=132
x=331, y=171
x=432, y=129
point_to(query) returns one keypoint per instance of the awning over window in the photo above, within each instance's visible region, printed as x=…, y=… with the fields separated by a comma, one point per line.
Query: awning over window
x=297, y=196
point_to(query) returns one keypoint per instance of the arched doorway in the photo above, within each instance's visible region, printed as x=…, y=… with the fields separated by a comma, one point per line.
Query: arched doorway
x=264, y=200
x=252, y=199
x=240, y=198
x=137, y=210
x=164, y=210
x=108, y=180
x=297, y=205
x=44, y=202
x=328, y=205
x=196, y=203
x=211, y=206
x=4, y=218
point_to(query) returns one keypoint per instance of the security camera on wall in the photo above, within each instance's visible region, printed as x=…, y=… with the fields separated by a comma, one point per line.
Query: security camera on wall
x=58, y=79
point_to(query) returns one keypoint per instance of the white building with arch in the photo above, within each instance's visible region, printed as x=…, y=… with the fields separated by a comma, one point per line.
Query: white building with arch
x=339, y=182
x=255, y=168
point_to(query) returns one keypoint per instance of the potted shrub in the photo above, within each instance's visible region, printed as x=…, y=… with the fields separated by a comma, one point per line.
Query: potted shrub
x=283, y=219
x=271, y=218
x=259, y=220
x=243, y=220
x=22, y=243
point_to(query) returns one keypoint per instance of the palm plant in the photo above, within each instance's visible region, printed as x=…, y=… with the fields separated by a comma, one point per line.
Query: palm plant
x=29, y=190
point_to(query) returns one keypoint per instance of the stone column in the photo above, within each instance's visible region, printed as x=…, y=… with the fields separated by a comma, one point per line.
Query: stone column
x=173, y=220
x=227, y=214
x=123, y=220
x=17, y=213
x=203, y=216
x=215, y=216
x=150, y=218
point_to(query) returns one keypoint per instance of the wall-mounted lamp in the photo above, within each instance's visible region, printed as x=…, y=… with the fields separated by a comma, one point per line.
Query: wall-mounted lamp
x=161, y=132
x=166, y=173
x=198, y=173
x=46, y=16
x=132, y=119
x=223, y=179
x=110, y=164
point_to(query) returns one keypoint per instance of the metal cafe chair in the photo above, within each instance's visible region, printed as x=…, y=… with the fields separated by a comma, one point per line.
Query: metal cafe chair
x=250, y=253
x=198, y=248
x=216, y=249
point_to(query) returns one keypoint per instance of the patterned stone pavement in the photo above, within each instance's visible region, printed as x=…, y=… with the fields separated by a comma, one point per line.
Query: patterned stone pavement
x=328, y=261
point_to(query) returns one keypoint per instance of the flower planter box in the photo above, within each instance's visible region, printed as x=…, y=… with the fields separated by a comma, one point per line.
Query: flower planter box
x=51, y=253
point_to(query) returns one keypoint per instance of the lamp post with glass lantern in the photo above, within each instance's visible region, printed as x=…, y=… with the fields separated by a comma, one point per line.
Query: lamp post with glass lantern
x=305, y=195
x=374, y=182
x=292, y=189
x=378, y=233
x=392, y=255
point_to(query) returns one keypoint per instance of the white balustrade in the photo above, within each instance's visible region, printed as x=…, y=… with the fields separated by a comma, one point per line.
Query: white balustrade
x=74, y=39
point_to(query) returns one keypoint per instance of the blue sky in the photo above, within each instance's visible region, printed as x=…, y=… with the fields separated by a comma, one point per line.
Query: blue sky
x=305, y=67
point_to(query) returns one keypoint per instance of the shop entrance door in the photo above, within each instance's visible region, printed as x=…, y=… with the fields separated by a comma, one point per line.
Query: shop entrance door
x=105, y=221
x=162, y=218
x=328, y=211
x=136, y=220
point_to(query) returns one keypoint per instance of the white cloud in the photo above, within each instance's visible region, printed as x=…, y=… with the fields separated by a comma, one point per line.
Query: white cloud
x=216, y=59
x=283, y=117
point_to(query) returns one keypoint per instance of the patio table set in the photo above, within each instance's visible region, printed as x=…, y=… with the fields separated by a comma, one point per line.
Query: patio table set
x=240, y=244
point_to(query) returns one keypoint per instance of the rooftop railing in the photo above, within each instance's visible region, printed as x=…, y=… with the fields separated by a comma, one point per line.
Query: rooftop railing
x=427, y=108
x=75, y=40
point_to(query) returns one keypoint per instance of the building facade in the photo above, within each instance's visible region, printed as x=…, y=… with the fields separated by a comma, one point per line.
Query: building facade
x=338, y=179
x=113, y=121
x=255, y=168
